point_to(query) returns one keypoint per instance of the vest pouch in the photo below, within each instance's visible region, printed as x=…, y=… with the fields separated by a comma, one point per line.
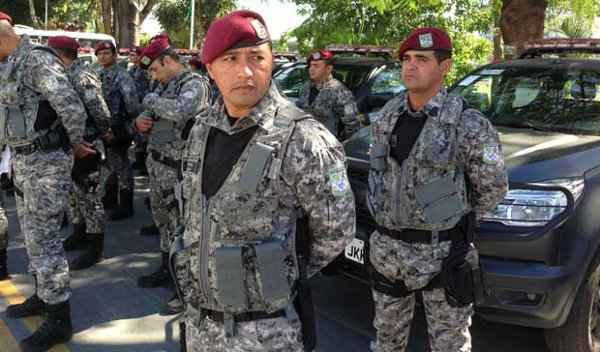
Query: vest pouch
x=230, y=278
x=378, y=154
x=16, y=128
x=253, y=170
x=162, y=132
x=440, y=200
x=271, y=257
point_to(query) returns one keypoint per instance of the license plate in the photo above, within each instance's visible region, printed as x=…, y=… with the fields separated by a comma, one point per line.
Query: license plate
x=355, y=251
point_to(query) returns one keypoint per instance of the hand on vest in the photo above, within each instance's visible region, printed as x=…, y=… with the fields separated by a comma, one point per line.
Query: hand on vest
x=143, y=124
x=84, y=149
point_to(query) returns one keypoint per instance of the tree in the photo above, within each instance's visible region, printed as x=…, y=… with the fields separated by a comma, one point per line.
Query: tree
x=388, y=22
x=175, y=15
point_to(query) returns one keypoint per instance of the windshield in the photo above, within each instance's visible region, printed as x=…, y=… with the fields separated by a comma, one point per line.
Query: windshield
x=549, y=98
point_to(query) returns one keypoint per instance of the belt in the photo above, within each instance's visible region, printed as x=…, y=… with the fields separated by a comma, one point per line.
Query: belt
x=25, y=149
x=158, y=157
x=421, y=236
x=242, y=317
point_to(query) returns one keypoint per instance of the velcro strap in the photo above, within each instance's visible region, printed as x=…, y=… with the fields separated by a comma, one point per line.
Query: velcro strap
x=253, y=170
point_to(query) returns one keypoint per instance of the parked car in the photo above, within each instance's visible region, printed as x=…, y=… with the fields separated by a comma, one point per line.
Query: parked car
x=540, y=247
x=373, y=81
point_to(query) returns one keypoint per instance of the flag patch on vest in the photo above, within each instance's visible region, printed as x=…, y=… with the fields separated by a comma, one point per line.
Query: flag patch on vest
x=338, y=181
x=491, y=154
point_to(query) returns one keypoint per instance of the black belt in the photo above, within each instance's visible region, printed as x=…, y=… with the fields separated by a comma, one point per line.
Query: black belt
x=242, y=317
x=420, y=236
x=158, y=157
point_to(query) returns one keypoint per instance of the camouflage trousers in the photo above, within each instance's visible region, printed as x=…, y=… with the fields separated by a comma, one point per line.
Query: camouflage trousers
x=3, y=223
x=268, y=335
x=165, y=210
x=44, y=179
x=415, y=265
x=118, y=161
x=86, y=198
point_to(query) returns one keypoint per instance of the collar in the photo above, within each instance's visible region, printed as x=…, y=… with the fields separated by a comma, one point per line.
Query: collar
x=262, y=114
x=325, y=84
x=433, y=106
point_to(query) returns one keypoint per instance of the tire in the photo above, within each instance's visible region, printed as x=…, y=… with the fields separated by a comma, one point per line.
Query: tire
x=581, y=331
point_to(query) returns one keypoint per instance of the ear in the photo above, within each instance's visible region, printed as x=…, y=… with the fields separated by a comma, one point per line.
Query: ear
x=209, y=70
x=446, y=66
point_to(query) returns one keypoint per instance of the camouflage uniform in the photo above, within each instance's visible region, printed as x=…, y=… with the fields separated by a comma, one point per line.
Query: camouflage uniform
x=141, y=79
x=88, y=191
x=120, y=94
x=310, y=174
x=171, y=105
x=453, y=138
x=34, y=79
x=334, y=105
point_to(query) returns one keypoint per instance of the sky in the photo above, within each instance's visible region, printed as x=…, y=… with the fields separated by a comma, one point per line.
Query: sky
x=281, y=16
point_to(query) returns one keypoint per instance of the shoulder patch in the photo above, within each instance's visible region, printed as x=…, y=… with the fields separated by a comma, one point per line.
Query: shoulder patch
x=338, y=181
x=491, y=154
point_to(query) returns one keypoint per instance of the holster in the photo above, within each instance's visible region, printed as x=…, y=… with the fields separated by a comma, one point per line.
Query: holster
x=54, y=139
x=82, y=167
x=303, y=302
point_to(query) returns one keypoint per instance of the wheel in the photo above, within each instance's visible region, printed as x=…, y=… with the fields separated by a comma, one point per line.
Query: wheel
x=581, y=331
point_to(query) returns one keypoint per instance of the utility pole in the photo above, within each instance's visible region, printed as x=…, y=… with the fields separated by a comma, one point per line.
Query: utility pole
x=191, y=24
x=46, y=15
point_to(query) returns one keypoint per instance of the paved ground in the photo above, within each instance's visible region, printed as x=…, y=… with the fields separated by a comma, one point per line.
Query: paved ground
x=111, y=314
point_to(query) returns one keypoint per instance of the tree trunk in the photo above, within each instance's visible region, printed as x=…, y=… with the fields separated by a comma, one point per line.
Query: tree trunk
x=107, y=17
x=128, y=17
x=34, y=18
x=522, y=21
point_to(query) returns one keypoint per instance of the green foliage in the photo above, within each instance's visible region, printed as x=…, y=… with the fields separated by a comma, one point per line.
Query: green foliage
x=59, y=12
x=173, y=15
x=388, y=22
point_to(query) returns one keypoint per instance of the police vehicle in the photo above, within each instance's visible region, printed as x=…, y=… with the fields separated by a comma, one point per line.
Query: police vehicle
x=540, y=247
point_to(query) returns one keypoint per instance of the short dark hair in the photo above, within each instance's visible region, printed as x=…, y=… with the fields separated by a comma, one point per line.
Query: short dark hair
x=170, y=53
x=69, y=53
x=442, y=55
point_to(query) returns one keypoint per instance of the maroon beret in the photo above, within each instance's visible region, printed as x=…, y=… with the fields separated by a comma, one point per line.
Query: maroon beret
x=63, y=42
x=239, y=29
x=6, y=17
x=426, y=39
x=161, y=36
x=103, y=45
x=153, y=51
x=320, y=55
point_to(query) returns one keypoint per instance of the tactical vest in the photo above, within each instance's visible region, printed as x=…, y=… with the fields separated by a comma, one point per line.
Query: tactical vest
x=26, y=114
x=166, y=131
x=114, y=98
x=91, y=129
x=428, y=190
x=250, y=252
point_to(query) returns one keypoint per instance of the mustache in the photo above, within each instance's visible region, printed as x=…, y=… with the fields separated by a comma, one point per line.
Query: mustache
x=247, y=84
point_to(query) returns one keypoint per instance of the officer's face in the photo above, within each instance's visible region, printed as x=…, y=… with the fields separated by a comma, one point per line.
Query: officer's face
x=319, y=70
x=243, y=76
x=421, y=71
x=160, y=69
x=106, y=57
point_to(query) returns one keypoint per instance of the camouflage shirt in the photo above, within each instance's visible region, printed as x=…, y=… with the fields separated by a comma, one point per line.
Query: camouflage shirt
x=172, y=105
x=31, y=78
x=308, y=176
x=88, y=86
x=120, y=94
x=334, y=105
x=456, y=142
x=141, y=79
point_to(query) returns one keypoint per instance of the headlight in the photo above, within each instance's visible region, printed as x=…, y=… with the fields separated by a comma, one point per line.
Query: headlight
x=535, y=207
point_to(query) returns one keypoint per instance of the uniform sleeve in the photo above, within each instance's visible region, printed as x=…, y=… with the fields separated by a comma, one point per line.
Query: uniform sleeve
x=94, y=101
x=315, y=166
x=194, y=97
x=347, y=110
x=47, y=75
x=481, y=152
x=130, y=95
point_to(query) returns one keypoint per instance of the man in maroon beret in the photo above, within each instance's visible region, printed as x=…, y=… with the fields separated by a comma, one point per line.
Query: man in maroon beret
x=327, y=98
x=121, y=95
x=431, y=143
x=88, y=214
x=253, y=165
x=173, y=105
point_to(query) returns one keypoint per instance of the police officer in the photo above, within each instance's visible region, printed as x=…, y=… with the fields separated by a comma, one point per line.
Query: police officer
x=140, y=76
x=4, y=18
x=327, y=98
x=253, y=165
x=89, y=173
x=45, y=123
x=120, y=93
x=180, y=97
x=435, y=163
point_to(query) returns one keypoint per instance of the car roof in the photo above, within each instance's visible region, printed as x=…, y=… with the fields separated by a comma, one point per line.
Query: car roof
x=546, y=63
